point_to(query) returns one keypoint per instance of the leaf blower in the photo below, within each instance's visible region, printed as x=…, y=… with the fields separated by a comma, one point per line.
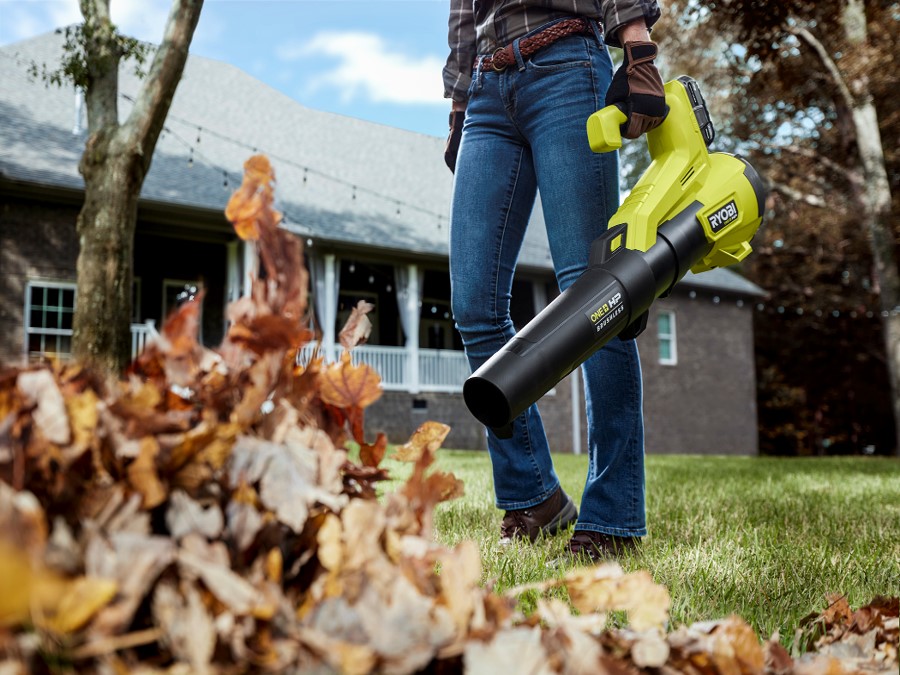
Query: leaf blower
x=690, y=210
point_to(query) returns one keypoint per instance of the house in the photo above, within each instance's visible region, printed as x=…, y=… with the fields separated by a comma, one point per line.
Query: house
x=371, y=204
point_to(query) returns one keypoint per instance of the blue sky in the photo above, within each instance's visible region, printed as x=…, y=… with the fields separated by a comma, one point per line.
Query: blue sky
x=378, y=60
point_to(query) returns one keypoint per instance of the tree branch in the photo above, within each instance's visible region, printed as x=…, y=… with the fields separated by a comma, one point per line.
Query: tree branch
x=796, y=195
x=850, y=175
x=152, y=104
x=830, y=66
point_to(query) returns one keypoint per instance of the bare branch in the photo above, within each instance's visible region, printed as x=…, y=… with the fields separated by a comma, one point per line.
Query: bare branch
x=830, y=66
x=155, y=96
x=851, y=175
x=796, y=195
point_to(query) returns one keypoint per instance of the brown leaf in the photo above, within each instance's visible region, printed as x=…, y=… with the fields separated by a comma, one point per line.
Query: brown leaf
x=134, y=561
x=371, y=455
x=143, y=476
x=211, y=565
x=347, y=386
x=358, y=327
x=84, y=415
x=186, y=516
x=514, y=650
x=23, y=524
x=426, y=439
x=247, y=205
x=39, y=388
x=187, y=626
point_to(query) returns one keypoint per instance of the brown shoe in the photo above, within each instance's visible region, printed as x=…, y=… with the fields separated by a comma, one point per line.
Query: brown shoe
x=596, y=546
x=547, y=518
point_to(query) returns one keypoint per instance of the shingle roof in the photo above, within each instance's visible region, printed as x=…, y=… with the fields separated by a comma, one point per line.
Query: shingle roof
x=341, y=180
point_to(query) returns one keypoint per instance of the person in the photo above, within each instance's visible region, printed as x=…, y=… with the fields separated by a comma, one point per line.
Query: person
x=524, y=76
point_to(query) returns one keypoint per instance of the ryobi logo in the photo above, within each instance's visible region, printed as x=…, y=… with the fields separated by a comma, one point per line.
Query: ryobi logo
x=604, y=309
x=723, y=216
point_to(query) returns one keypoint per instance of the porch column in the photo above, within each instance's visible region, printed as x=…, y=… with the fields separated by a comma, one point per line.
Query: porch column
x=412, y=336
x=329, y=315
x=250, y=263
x=232, y=272
x=409, y=291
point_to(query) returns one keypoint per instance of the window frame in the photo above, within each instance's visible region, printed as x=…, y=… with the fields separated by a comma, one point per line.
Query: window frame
x=671, y=338
x=55, y=333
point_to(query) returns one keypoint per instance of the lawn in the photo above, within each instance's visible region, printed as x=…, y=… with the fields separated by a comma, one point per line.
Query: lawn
x=764, y=538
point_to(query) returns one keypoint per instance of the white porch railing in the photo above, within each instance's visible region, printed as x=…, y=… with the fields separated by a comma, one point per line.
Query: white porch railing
x=440, y=370
x=140, y=334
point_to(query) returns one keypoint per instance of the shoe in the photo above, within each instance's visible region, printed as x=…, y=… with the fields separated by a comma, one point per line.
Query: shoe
x=547, y=518
x=596, y=546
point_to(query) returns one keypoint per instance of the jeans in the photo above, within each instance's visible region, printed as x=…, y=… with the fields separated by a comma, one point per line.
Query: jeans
x=525, y=130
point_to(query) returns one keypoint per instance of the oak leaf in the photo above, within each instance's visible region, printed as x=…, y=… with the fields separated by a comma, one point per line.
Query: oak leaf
x=345, y=385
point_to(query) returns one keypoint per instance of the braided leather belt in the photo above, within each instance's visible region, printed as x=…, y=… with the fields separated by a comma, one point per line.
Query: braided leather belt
x=504, y=56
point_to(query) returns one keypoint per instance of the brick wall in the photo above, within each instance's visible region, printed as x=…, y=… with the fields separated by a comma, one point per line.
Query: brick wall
x=36, y=242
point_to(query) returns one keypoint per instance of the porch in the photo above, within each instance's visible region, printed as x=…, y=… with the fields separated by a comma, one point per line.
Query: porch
x=403, y=369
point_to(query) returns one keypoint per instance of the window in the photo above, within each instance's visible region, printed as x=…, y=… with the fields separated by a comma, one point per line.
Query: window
x=49, y=307
x=665, y=331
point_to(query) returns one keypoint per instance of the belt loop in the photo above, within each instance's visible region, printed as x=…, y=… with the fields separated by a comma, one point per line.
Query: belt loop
x=518, y=54
x=597, y=29
x=479, y=65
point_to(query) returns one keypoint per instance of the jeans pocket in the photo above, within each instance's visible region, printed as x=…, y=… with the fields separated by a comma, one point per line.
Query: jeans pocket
x=569, y=52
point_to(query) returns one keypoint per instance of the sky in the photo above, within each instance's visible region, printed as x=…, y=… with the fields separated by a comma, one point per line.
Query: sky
x=377, y=60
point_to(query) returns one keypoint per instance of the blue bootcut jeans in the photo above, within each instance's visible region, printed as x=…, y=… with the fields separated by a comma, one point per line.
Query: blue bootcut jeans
x=525, y=129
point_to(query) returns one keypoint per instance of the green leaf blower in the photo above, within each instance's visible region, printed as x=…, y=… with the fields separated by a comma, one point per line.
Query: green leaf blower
x=690, y=210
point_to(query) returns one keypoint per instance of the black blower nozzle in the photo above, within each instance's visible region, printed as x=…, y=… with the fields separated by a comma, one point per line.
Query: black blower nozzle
x=609, y=299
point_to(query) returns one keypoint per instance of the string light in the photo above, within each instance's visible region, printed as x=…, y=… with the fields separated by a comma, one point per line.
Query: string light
x=400, y=204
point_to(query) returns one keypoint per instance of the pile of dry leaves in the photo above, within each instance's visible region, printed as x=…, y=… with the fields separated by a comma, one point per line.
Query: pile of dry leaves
x=201, y=516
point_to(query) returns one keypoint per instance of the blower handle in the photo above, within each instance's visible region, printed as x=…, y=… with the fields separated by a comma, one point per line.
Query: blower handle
x=604, y=128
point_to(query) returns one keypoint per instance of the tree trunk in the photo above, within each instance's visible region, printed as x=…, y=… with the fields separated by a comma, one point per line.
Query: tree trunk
x=102, y=322
x=115, y=161
x=874, y=194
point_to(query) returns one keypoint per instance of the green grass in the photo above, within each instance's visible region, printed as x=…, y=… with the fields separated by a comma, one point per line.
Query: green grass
x=764, y=538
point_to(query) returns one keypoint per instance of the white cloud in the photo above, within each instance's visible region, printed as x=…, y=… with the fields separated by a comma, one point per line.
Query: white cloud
x=366, y=67
x=143, y=19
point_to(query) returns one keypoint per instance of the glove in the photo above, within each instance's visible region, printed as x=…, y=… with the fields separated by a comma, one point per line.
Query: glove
x=452, y=147
x=637, y=89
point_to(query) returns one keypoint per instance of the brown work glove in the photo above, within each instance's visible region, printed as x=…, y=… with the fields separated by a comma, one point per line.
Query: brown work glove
x=452, y=147
x=637, y=89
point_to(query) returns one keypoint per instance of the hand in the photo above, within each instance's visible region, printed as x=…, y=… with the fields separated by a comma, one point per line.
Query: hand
x=637, y=89
x=452, y=147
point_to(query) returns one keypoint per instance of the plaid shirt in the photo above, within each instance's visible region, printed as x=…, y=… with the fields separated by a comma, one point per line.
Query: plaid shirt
x=481, y=26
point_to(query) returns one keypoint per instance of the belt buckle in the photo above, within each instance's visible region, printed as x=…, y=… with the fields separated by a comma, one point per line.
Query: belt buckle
x=494, y=60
